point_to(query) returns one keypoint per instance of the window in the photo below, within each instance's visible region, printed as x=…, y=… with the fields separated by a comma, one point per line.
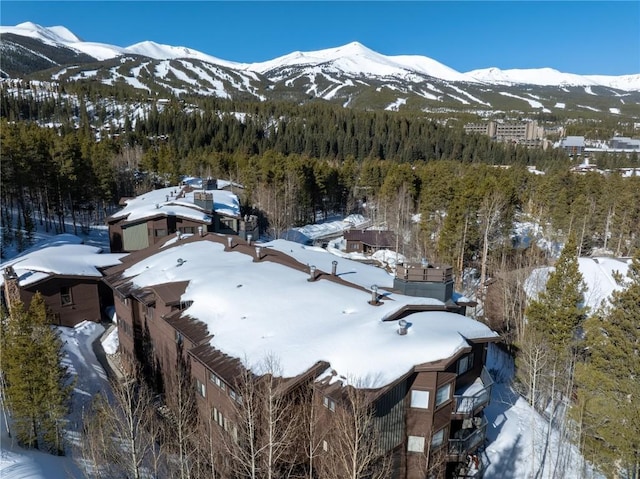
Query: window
x=227, y=223
x=232, y=393
x=201, y=388
x=150, y=309
x=443, y=394
x=329, y=403
x=217, y=381
x=160, y=232
x=65, y=296
x=437, y=439
x=415, y=444
x=217, y=417
x=189, y=230
x=465, y=363
x=420, y=399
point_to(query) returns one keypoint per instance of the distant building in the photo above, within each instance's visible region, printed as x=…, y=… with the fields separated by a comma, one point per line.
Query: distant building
x=527, y=133
x=369, y=241
x=150, y=217
x=573, y=145
x=623, y=143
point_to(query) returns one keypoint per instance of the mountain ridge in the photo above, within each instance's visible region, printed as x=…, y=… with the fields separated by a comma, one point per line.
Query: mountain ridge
x=352, y=58
x=350, y=75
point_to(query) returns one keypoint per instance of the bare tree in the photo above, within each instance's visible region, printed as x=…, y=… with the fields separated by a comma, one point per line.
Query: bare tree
x=311, y=430
x=118, y=434
x=259, y=438
x=491, y=217
x=182, y=417
x=353, y=449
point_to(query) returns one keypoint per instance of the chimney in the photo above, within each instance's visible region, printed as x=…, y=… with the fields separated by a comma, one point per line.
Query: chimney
x=374, y=295
x=312, y=273
x=334, y=267
x=402, y=327
x=258, y=253
x=11, y=287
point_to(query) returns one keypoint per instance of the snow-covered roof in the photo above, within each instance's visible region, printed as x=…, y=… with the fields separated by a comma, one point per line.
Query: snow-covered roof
x=177, y=201
x=571, y=141
x=63, y=255
x=257, y=309
x=598, y=274
x=306, y=234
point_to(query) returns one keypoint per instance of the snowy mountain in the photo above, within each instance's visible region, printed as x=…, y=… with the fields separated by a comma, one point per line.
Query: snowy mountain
x=552, y=77
x=351, y=75
x=356, y=59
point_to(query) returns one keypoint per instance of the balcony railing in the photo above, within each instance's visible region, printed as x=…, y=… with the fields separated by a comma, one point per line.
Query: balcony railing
x=422, y=273
x=474, y=397
x=470, y=438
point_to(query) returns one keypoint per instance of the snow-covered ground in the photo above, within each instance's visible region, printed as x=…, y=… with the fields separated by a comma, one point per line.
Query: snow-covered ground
x=516, y=432
x=18, y=463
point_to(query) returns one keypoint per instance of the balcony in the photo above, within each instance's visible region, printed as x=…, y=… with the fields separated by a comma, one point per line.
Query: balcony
x=468, y=439
x=471, y=399
x=435, y=273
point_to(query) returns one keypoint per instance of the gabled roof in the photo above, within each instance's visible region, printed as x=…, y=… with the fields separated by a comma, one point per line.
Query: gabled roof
x=268, y=307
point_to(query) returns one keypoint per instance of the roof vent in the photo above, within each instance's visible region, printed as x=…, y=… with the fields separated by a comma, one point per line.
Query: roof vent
x=334, y=267
x=312, y=273
x=249, y=238
x=201, y=230
x=230, y=241
x=374, y=295
x=402, y=327
x=178, y=235
x=157, y=205
x=258, y=252
x=180, y=261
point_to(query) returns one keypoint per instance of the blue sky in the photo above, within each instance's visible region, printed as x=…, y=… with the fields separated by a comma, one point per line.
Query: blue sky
x=577, y=37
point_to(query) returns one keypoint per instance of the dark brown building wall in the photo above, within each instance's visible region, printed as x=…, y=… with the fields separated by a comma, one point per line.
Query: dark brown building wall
x=125, y=327
x=115, y=238
x=85, y=300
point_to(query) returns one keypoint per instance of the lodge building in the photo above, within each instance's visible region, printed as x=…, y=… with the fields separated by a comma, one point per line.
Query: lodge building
x=223, y=303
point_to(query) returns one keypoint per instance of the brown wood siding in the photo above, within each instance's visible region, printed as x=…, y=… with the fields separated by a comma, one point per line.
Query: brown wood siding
x=85, y=305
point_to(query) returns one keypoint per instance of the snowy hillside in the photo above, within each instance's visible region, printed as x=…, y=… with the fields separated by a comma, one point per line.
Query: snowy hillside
x=61, y=36
x=356, y=59
x=352, y=58
x=552, y=77
x=350, y=75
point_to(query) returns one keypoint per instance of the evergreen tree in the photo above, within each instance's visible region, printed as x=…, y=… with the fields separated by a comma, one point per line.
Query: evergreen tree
x=608, y=385
x=558, y=310
x=37, y=387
